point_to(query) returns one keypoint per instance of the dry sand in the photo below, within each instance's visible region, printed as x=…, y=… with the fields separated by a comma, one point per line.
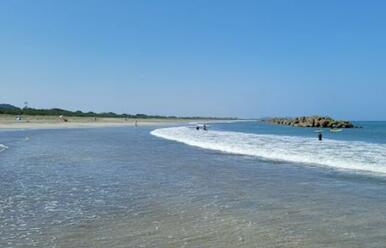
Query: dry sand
x=48, y=122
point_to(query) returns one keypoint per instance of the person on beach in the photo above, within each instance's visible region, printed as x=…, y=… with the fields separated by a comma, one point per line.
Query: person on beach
x=205, y=128
x=320, y=136
x=136, y=123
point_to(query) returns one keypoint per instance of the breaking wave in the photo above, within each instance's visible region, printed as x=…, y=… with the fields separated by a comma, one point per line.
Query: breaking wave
x=353, y=155
x=3, y=147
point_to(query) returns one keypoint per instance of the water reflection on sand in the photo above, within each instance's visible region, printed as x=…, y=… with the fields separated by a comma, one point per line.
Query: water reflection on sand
x=122, y=187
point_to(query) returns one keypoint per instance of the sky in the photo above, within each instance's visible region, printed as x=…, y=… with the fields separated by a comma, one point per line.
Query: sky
x=246, y=59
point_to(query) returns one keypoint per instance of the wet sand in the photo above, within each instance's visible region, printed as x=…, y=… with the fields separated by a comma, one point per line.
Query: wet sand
x=122, y=187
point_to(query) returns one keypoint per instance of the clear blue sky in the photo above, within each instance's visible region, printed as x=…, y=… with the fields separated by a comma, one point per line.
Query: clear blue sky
x=216, y=58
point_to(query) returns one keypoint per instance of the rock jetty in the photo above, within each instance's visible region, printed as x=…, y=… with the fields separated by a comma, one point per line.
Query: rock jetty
x=312, y=121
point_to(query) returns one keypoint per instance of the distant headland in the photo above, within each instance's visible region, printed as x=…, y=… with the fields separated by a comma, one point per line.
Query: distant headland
x=312, y=121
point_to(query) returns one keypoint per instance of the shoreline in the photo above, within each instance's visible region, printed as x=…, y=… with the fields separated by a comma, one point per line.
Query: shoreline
x=129, y=183
x=21, y=126
x=8, y=122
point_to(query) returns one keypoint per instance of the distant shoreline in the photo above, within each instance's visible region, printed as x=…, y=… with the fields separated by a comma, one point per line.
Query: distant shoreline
x=53, y=122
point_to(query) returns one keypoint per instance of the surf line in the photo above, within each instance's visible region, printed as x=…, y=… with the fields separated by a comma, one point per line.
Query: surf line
x=3, y=147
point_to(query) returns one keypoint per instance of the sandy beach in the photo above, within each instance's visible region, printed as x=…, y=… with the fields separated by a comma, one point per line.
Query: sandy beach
x=50, y=122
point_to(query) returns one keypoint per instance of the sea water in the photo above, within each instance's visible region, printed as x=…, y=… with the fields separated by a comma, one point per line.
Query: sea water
x=361, y=149
x=124, y=187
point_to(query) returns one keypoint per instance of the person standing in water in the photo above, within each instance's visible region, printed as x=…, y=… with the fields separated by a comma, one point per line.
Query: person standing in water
x=205, y=128
x=320, y=136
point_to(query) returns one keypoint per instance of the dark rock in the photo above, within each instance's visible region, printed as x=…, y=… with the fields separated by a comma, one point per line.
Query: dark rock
x=312, y=121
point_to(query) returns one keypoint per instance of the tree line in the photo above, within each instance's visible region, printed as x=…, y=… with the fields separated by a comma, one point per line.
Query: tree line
x=13, y=110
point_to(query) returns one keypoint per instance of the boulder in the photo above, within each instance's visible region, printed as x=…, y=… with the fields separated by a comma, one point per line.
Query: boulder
x=312, y=121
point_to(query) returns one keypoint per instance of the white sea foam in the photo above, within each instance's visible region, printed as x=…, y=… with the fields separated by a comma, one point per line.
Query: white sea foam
x=3, y=147
x=354, y=155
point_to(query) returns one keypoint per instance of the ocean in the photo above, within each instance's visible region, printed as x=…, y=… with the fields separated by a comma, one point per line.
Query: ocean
x=361, y=149
x=242, y=184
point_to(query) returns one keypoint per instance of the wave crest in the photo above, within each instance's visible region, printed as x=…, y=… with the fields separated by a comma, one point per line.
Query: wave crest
x=3, y=147
x=354, y=155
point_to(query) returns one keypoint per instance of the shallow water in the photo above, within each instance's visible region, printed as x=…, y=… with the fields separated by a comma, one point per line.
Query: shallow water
x=123, y=187
x=338, y=150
